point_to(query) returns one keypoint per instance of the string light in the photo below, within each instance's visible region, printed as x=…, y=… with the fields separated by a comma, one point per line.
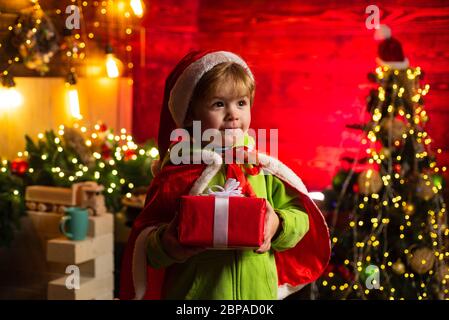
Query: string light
x=113, y=64
x=137, y=7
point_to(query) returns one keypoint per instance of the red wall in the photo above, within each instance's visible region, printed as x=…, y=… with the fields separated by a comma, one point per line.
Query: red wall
x=310, y=60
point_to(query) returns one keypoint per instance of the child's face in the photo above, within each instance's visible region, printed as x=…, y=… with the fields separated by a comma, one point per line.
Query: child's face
x=225, y=109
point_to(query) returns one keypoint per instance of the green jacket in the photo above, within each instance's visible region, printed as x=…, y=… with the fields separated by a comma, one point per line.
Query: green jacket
x=233, y=274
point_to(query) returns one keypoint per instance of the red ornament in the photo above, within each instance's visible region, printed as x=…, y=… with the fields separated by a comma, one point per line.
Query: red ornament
x=19, y=166
x=106, y=151
x=129, y=154
x=355, y=188
x=103, y=127
x=397, y=168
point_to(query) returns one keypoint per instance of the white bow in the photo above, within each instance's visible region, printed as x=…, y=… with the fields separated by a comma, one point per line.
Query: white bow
x=231, y=189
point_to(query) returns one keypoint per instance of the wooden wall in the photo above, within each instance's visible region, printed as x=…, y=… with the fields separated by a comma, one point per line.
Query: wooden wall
x=310, y=60
x=45, y=107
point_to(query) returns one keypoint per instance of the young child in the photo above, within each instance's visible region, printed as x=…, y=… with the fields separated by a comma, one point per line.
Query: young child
x=217, y=89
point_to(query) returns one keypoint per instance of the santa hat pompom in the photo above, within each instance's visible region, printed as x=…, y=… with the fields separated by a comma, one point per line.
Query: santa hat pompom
x=382, y=33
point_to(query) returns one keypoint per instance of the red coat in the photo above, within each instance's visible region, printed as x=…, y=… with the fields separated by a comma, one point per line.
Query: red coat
x=296, y=266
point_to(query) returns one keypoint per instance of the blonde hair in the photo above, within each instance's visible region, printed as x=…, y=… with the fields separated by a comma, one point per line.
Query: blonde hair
x=242, y=83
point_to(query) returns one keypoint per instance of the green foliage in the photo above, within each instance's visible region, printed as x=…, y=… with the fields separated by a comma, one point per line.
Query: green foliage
x=115, y=162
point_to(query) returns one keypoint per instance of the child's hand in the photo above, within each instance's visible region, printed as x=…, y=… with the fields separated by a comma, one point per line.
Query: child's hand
x=171, y=244
x=271, y=227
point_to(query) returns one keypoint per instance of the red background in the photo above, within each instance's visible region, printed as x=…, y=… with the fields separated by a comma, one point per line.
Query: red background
x=310, y=60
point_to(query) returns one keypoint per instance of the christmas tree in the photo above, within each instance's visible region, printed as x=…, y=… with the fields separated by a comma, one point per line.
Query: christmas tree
x=71, y=155
x=386, y=212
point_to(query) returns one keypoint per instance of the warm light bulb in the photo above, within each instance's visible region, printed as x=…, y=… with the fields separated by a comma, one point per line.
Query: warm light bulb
x=137, y=7
x=10, y=98
x=74, y=103
x=112, y=65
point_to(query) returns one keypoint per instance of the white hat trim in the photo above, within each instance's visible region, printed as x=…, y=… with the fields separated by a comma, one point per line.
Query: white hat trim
x=182, y=91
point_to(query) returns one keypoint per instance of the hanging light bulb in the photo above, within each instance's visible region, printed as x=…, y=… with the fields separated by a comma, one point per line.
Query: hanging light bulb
x=113, y=64
x=72, y=96
x=137, y=7
x=10, y=97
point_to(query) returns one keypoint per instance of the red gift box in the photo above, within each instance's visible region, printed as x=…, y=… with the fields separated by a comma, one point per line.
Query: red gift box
x=222, y=221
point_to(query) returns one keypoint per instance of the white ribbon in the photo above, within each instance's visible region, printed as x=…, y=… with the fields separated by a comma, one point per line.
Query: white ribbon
x=221, y=211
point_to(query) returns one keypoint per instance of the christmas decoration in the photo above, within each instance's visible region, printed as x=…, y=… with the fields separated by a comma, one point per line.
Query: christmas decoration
x=369, y=182
x=68, y=158
x=36, y=39
x=394, y=127
x=19, y=166
x=75, y=141
x=421, y=260
x=223, y=219
x=397, y=219
x=398, y=267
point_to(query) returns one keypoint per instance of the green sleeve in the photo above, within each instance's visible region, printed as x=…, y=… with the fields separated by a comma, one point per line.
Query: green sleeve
x=294, y=221
x=156, y=255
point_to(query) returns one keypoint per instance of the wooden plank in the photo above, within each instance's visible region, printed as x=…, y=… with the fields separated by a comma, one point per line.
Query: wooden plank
x=75, y=252
x=90, y=288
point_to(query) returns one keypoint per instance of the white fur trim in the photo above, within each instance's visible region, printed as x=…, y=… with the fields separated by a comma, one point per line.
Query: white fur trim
x=270, y=165
x=399, y=65
x=182, y=91
x=139, y=267
x=286, y=289
x=384, y=32
x=277, y=168
x=214, y=161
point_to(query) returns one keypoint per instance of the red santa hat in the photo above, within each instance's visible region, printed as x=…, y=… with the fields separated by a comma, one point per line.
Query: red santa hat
x=179, y=89
x=390, y=51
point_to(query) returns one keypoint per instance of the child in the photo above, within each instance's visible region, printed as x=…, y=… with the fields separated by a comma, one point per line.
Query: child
x=217, y=88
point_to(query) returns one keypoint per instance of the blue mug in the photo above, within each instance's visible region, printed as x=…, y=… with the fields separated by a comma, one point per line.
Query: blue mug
x=79, y=223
